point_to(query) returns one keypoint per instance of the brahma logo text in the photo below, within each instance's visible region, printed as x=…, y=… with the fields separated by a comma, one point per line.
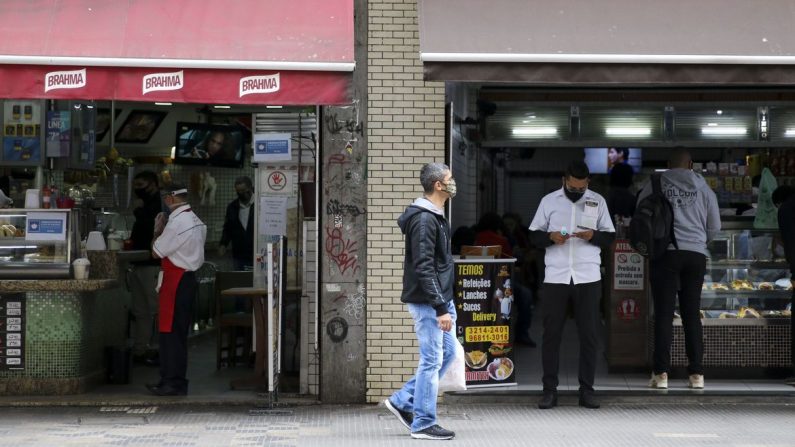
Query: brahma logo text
x=259, y=84
x=64, y=79
x=163, y=81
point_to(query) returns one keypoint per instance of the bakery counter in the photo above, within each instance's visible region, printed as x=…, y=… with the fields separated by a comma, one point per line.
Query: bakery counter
x=56, y=331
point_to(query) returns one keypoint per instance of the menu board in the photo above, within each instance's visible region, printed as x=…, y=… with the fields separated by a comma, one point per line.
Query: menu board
x=486, y=309
x=22, y=131
x=12, y=332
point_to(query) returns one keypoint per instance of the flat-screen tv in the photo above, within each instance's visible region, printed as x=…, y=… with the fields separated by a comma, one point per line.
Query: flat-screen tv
x=600, y=160
x=211, y=144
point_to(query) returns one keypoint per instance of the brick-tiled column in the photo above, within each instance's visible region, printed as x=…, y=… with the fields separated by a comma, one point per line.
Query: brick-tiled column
x=405, y=129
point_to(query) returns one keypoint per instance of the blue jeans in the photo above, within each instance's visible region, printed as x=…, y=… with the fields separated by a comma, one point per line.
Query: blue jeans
x=437, y=350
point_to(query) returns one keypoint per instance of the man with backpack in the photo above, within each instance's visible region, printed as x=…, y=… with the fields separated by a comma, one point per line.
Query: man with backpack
x=679, y=270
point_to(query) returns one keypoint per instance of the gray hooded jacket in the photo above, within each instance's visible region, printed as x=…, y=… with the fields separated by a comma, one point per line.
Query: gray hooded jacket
x=428, y=266
x=696, y=213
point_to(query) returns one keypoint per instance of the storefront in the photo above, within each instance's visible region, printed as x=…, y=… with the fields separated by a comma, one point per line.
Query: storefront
x=103, y=90
x=530, y=89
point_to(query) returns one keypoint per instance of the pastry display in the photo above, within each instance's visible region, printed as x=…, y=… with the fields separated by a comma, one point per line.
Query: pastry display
x=748, y=312
x=742, y=284
x=8, y=230
x=719, y=286
x=766, y=286
x=784, y=284
x=725, y=315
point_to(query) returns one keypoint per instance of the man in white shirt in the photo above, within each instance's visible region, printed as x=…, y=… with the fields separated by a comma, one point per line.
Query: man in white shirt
x=180, y=245
x=573, y=224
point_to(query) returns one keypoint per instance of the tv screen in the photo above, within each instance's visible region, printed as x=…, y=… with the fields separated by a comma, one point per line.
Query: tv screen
x=600, y=160
x=210, y=144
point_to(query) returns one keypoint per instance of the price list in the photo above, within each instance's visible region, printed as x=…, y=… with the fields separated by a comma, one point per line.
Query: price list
x=12, y=332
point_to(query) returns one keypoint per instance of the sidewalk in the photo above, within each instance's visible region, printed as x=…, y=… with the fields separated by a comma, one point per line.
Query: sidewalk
x=501, y=425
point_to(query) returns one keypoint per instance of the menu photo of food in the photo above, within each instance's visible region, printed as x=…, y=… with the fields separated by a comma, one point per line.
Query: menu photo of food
x=475, y=359
x=500, y=368
x=499, y=349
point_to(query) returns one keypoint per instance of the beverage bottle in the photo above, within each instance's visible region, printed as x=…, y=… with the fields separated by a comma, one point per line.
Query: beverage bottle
x=46, y=194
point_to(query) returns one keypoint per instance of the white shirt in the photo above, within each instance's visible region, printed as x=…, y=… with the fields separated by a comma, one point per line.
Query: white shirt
x=243, y=214
x=577, y=260
x=182, y=241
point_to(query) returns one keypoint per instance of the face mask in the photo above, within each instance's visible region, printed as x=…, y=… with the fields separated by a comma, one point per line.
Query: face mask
x=574, y=196
x=141, y=193
x=450, y=188
x=244, y=197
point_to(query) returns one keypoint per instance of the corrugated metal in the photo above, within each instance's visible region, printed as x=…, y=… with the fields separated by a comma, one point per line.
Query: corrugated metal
x=696, y=123
x=597, y=122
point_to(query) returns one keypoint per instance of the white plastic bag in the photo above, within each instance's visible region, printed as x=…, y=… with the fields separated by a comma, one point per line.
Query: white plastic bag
x=454, y=379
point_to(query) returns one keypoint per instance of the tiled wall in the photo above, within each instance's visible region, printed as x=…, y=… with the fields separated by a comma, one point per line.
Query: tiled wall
x=405, y=129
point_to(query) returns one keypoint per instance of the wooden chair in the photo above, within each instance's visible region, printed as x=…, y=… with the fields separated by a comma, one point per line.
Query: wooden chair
x=229, y=320
x=481, y=251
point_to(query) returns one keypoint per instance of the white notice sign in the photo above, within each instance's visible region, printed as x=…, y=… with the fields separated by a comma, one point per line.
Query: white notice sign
x=45, y=226
x=628, y=268
x=273, y=216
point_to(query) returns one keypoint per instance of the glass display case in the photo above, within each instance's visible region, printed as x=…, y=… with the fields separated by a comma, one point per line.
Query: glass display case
x=36, y=243
x=747, y=276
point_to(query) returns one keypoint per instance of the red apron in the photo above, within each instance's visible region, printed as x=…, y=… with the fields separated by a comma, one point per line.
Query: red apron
x=167, y=297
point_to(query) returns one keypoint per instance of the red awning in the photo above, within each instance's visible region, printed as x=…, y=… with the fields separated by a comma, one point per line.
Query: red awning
x=235, y=51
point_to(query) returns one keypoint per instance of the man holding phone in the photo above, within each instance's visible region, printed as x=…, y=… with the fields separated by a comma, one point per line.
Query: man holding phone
x=573, y=224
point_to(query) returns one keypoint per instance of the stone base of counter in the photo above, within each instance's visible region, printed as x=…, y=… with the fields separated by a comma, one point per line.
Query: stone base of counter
x=34, y=386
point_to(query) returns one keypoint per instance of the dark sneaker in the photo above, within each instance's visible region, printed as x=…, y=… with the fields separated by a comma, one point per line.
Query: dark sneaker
x=548, y=400
x=404, y=417
x=433, y=432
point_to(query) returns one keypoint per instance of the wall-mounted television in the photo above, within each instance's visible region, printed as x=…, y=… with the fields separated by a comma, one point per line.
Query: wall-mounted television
x=600, y=160
x=211, y=144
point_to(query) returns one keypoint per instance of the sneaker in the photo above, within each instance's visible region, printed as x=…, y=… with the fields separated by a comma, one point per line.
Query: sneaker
x=696, y=381
x=659, y=381
x=404, y=417
x=548, y=400
x=433, y=432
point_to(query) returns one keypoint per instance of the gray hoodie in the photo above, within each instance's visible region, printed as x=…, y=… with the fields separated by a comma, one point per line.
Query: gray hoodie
x=696, y=214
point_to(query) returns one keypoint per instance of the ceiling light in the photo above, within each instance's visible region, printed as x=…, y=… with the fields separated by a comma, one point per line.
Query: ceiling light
x=720, y=112
x=790, y=133
x=525, y=121
x=719, y=130
x=222, y=107
x=173, y=152
x=273, y=107
x=162, y=103
x=535, y=131
x=628, y=131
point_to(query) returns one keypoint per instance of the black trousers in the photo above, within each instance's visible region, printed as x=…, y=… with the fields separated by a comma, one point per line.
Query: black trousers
x=554, y=301
x=678, y=273
x=174, y=344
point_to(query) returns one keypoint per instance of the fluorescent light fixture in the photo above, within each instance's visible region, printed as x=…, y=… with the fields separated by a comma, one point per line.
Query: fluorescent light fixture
x=535, y=131
x=628, y=131
x=162, y=103
x=173, y=152
x=222, y=107
x=723, y=130
x=720, y=112
x=273, y=107
x=790, y=133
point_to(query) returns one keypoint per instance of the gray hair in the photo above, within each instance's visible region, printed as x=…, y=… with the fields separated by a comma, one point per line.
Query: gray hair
x=432, y=173
x=244, y=180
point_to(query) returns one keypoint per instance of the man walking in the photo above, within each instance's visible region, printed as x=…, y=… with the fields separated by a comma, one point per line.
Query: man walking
x=784, y=200
x=181, y=248
x=574, y=226
x=428, y=292
x=681, y=269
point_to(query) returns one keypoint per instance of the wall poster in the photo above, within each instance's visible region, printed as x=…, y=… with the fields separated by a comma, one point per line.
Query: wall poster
x=22, y=131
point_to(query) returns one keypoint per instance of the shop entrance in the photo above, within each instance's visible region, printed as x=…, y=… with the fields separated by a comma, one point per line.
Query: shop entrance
x=508, y=146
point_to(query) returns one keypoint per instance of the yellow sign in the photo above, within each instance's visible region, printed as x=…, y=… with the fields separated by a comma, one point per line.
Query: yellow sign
x=494, y=334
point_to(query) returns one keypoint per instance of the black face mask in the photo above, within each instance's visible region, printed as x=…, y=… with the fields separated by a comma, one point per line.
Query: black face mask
x=141, y=193
x=573, y=196
x=244, y=197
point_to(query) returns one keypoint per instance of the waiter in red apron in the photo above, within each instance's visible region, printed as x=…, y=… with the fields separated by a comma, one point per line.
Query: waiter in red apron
x=180, y=245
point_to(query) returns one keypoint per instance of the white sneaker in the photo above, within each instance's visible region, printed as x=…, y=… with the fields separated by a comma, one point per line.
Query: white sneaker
x=696, y=381
x=659, y=381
